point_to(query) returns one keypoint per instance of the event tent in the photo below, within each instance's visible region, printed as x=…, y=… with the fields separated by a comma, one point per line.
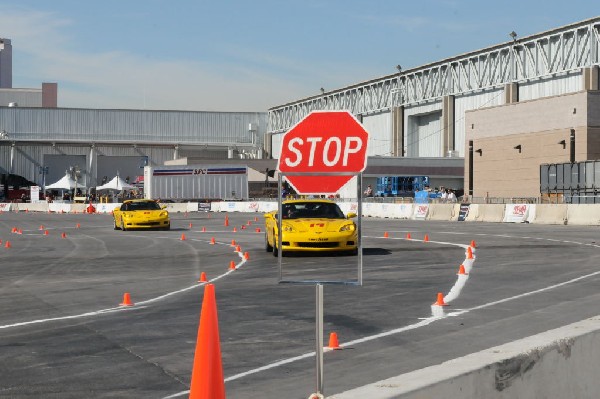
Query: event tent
x=117, y=184
x=66, y=183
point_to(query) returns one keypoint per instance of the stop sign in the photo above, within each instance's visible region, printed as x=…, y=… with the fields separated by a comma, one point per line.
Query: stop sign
x=323, y=142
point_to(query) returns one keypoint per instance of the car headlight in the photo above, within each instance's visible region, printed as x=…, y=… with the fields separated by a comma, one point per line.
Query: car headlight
x=128, y=215
x=164, y=214
x=287, y=227
x=348, y=227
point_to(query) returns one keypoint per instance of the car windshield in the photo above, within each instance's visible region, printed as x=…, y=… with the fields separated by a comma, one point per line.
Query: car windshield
x=141, y=206
x=324, y=210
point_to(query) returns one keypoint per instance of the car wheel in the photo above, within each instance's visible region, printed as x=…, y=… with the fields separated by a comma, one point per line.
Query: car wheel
x=115, y=223
x=275, y=251
x=123, y=225
x=268, y=246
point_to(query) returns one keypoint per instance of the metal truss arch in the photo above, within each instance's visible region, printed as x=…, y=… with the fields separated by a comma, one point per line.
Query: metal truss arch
x=541, y=56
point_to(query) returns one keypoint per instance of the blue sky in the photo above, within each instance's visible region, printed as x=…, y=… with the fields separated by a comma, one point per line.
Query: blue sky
x=248, y=55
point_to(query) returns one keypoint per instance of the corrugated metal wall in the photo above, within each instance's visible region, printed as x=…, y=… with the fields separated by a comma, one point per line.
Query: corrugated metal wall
x=133, y=125
x=470, y=101
x=422, y=130
x=28, y=159
x=380, y=133
x=23, y=97
x=276, y=139
x=562, y=84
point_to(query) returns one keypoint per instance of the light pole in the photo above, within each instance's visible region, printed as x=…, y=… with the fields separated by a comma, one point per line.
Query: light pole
x=44, y=172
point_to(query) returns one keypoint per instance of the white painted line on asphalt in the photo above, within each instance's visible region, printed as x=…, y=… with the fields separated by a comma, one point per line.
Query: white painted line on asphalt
x=138, y=305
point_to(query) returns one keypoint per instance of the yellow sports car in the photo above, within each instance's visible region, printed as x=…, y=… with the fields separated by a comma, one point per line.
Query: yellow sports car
x=311, y=226
x=141, y=214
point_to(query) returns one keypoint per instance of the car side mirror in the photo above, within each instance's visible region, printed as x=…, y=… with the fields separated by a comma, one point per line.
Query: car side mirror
x=351, y=215
x=163, y=207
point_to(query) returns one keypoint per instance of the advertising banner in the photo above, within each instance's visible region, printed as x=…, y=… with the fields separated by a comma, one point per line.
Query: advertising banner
x=516, y=213
x=463, y=212
x=420, y=212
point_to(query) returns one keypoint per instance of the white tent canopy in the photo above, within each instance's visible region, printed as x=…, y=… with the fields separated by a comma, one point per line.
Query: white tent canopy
x=66, y=183
x=117, y=184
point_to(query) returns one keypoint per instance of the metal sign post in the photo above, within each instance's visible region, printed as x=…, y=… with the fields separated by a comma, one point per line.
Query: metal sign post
x=319, y=336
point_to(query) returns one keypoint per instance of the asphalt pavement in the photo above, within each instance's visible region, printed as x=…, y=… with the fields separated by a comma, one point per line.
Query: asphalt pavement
x=64, y=335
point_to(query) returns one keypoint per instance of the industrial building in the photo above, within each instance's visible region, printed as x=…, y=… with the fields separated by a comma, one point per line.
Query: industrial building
x=528, y=92
x=486, y=119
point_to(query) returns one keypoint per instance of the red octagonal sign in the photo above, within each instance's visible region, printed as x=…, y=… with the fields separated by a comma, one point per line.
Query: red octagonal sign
x=323, y=142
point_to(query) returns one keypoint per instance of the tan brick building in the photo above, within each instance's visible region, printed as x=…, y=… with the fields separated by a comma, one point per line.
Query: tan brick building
x=505, y=145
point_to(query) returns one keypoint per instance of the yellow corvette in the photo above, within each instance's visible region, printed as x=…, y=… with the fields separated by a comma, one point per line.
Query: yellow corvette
x=311, y=226
x=141, y=214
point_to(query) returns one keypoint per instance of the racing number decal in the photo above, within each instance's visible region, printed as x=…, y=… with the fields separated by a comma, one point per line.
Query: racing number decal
x=317, y=224
x=199, y=171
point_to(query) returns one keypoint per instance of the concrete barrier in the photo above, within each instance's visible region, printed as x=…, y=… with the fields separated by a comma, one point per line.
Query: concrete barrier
x=176, y=207
x=583, y=214
x=440, y=212
x=550, y=214
x=455, y=212
x=525, y=368
x=493, y=213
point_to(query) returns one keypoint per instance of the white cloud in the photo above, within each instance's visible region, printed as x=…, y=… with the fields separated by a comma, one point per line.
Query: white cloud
x=125, y=80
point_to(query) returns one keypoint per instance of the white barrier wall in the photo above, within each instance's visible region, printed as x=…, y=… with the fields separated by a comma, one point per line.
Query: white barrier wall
x=441, y=212
x=493, y=213
x=551, y=214
x=583, y=214
x=575, y=214
x=527, y=368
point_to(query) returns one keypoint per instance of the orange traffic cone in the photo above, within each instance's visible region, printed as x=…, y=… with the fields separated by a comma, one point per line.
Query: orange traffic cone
x=212, y=241
x=257, y=230
x=202, y=278
x=249, y=223
x=77, y=226
x=469, y=253
x=226, y=221
x=408, y=236
x=386, y=235
x=235, y=230
x=14, y=230
x=190, y=225
x=461, y=270
x=256, y=218
x=126, y=300
x=440, y=300
x=232, y=265
x=182, y=237
x=473, y=244
x=7, y=245
x=246, y=255
x=238, y=249
x=207, y=373
x=333, y=341
x=20, y=231
x=233, y=243
x=426, y=238
x=204, y=229
x=41, y=227
x=45, y=232
x=63, y=235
